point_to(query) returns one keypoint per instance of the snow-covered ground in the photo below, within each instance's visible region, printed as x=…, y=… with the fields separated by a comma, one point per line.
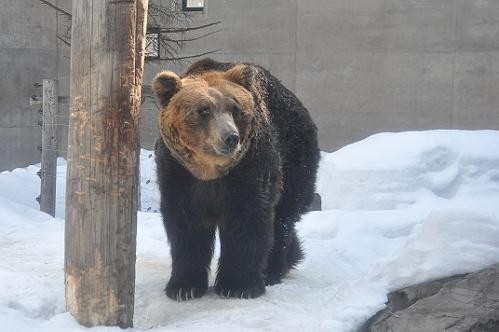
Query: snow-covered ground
x=399, y=208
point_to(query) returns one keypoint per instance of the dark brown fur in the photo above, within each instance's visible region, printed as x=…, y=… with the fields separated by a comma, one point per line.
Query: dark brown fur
x=253, y=192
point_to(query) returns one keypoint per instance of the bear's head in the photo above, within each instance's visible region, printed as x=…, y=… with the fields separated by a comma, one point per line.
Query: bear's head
x=205, y=119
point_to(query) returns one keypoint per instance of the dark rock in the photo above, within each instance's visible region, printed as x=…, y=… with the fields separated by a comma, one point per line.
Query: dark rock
x=468, y=302
x=316, y=204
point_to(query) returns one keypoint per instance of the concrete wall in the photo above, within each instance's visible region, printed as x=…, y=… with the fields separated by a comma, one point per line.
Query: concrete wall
x=28, y=53
x=365, y=66
x=360, y=66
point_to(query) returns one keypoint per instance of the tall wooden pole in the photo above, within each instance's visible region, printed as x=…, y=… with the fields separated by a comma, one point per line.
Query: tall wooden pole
x=103, y=158
x=49, y=147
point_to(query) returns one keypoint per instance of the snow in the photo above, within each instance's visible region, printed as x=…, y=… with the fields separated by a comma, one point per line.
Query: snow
x=398, y=209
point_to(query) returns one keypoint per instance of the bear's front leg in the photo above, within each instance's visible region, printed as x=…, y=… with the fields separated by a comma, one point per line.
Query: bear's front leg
x=246, y=241
x=191, y=250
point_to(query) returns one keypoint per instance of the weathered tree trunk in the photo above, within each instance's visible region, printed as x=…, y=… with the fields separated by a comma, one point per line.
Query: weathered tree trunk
x=49, y=147
x=103, y=154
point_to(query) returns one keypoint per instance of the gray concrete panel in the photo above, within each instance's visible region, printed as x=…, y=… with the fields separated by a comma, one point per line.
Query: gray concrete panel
x=249, y=27
x=22, y=68
x=418, y=26
x=476, y=91
x=26, y=24
x=27, y=55
x=19, y=147
x=477, y=28
x=353, y=96
x=367, y=26
x=331, y=27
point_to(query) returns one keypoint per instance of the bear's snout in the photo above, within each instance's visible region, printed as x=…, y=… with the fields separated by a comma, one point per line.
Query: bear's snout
x=230, y=139
x=225, y=134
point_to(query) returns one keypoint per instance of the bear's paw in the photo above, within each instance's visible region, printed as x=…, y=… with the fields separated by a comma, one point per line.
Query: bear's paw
x=241, y=291
x=182, y=292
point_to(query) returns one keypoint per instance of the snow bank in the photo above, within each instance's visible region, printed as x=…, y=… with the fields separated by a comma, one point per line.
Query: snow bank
x=398, y=209
x=398, y=170
x=449, y=241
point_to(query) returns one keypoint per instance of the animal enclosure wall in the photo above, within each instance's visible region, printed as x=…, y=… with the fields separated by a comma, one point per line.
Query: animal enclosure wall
x=360, y=66
x=365, y=66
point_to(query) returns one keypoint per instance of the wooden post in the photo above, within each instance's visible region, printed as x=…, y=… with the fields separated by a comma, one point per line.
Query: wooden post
x=103, y=159
x=49, y=147
x=140, y=43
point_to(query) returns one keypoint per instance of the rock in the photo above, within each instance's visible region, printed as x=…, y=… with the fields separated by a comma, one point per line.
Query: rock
x=316, y=203
x=467, y=302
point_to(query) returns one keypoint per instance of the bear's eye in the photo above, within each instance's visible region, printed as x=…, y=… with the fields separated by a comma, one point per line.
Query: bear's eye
x=204, y=111
x=234, y=109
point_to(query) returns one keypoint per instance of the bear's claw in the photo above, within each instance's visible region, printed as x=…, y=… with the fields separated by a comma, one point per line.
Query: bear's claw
x=184, y=293
x=250, y=292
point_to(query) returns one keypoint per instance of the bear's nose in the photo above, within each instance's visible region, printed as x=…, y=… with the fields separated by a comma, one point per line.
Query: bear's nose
x=231, y=139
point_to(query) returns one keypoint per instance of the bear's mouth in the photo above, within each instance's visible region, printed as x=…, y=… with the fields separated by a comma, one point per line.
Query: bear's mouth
x=223, y=150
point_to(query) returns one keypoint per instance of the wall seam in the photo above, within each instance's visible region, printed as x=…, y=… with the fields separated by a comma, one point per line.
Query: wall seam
x=453, y=75
x=296, y=47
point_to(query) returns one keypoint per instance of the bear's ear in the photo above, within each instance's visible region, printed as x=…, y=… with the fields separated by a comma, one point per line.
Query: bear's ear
x=165, y=85
x=242, y=75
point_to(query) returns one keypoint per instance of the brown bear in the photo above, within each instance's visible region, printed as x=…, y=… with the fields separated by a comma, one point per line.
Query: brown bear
x=238, y=152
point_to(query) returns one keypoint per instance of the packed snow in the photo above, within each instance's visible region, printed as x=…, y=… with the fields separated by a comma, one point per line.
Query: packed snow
x=398, y=209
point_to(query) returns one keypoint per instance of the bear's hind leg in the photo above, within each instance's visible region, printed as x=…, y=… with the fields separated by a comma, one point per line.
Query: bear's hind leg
x=295, y=251
x=286, y=252
x=191, y=252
